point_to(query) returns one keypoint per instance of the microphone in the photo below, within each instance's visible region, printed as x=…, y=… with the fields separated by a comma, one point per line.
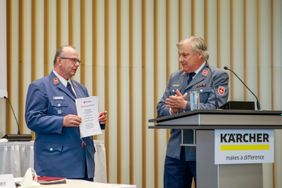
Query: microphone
x=18, y=136
x=257, y=102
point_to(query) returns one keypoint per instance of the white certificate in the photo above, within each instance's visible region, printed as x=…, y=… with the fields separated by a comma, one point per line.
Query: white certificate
x=87, y=109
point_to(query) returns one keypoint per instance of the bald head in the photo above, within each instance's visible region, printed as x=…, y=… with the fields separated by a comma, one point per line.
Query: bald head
x=61, y=50
x=66, y=61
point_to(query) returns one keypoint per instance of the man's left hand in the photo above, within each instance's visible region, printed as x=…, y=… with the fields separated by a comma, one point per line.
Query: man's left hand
x=177, y=101
x=103, y=116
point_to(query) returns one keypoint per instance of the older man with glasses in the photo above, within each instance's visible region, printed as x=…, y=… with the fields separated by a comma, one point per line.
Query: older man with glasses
x=51, y=114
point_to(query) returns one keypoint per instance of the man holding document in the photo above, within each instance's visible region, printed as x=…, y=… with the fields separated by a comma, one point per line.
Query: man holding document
x=64, y=119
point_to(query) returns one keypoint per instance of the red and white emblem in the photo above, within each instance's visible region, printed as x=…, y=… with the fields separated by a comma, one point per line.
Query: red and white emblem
x=56, y=81
x=205, y=72
x=221, y=90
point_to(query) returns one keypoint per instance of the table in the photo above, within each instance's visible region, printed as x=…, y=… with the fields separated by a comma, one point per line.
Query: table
x=17, y=157
x=86, y=184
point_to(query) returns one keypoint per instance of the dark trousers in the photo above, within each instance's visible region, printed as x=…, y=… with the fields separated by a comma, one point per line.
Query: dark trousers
x=87, y=179
x=85, y=176
x=179, y=173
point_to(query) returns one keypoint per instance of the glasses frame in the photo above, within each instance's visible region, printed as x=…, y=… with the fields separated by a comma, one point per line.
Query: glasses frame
x=73, y=59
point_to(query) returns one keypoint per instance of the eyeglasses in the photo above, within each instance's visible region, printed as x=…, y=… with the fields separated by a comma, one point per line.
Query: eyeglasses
x=74, y=60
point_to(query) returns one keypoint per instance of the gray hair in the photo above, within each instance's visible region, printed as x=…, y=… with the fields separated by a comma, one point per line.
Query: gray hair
x=198, y=44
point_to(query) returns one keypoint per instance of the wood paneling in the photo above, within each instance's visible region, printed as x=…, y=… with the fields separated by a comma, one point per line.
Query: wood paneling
x=128, y=50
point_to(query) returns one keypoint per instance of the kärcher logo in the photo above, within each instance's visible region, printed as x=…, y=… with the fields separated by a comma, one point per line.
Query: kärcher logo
x=244, y=138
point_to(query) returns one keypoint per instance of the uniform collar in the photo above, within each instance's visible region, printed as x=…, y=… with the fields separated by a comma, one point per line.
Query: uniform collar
x=200, y=68
x=62, y=80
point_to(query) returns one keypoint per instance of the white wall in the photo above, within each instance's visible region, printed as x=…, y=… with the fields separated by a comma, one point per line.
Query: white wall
x=3, y=66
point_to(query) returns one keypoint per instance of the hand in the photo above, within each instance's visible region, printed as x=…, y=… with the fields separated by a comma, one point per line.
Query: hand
x=103, y=116
x=173, y=110
x=71, y=121
x=176, y=102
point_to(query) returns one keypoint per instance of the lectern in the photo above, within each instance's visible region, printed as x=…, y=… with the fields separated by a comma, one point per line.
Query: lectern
x=204, y=123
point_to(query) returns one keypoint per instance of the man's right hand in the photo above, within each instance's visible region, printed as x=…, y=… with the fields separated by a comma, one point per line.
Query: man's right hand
x=176, y=102
x=71, y=121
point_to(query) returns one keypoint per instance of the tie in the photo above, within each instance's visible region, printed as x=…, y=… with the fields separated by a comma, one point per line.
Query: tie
x=190, y=77
x=70, y=89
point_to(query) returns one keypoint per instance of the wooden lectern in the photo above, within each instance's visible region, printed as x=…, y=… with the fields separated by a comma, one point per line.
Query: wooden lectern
x=204, y=123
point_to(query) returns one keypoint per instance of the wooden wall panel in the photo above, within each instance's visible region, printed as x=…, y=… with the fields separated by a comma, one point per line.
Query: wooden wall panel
x=128, y=50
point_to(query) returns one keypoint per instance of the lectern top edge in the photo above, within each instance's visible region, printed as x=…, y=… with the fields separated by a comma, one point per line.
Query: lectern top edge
x=219, y=112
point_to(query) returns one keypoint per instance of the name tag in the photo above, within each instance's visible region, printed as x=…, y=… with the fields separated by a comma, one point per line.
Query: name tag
x=58, y=97
x=175, y=85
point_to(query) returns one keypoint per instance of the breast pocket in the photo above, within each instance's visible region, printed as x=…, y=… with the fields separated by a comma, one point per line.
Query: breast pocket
x=51, y=149
x=58, y=107
x=173, y=88
x=46, y=153
x=205, y=92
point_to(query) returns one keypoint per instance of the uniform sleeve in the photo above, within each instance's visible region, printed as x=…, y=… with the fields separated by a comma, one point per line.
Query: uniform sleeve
x=36, y=110
x=161, y=107
x=221, y=88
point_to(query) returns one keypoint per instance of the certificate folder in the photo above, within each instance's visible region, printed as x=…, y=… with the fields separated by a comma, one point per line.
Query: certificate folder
x=50, y=180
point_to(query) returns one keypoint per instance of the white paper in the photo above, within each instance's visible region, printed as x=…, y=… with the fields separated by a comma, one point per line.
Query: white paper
x=87, y=109
x=7, y=181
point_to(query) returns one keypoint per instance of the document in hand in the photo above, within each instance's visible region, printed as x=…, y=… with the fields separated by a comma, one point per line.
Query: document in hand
x=87, y=109
x=50, y=180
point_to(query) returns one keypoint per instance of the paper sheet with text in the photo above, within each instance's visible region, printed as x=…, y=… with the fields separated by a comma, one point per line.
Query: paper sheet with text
x=87, y=109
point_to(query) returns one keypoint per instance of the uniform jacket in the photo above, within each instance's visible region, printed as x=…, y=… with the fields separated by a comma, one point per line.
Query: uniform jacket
x=212, y=84
x=58, y=151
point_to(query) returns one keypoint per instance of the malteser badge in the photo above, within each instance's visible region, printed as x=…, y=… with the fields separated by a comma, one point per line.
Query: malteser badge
x=205, y=72
x=56, y=81
x=221, y=90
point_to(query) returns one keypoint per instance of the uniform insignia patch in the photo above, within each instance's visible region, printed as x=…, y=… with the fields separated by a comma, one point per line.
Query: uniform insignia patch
x=205, y=72
x=56, y=81
x=201, y=85
x=175, y=85
x=221, y=90
x=58, y=97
